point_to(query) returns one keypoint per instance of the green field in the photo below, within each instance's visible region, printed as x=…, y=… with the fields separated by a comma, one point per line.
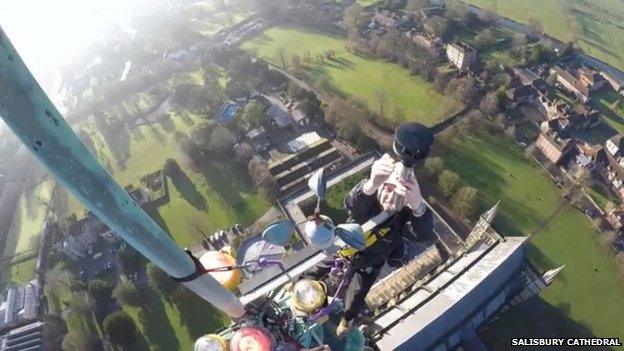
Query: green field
x=611, y=105
x=23, y=271
x=500, y=171
x=598, y=195
x=355, y=75
x=584, y=298
x=170, y=326
x=215, y=197
x=594, y=23
x=29, y=218
x=26, y=228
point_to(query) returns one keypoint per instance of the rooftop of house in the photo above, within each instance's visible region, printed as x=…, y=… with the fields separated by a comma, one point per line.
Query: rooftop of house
x=564, y=74
x=526, y=75
x=462, y=46
x=519, y=92
x=556, y=142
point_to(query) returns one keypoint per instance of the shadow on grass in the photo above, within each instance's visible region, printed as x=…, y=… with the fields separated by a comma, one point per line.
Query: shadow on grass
x=167, y=124
x=469, y=156
x=187, y=189
x=157, y=328
x=159, y=220
x=200, y=317
x=223, y=180
x=534, y=318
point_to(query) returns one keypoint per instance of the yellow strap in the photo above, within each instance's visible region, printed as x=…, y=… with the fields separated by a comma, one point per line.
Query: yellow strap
x=370, y=239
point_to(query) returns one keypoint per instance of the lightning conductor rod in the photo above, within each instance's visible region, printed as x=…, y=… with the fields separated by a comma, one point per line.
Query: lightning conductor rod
x=29, y=112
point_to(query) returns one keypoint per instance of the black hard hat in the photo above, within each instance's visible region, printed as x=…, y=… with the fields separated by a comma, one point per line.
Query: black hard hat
x=412, y=142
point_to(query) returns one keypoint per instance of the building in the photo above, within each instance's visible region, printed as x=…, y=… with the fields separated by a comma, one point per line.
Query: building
x=26, y=338
x=307, y=153
x=581, y=82
x=438, y=299
x=22, y=303
x=614, y=79
x=609, y=165
x=385, y=18
x=461, y=55
x=78, y=237
x=31, y=301
x=520, y=95
x=615, y=145
x=564, y=119
x=428, y=41
x=526, y=76
x=556, y=150
x=615, y=218
x=259, y=139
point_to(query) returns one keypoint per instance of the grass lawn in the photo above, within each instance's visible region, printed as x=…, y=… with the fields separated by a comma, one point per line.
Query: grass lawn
x=29, y=217
x=597, y=194
x=214, y=198
x=585, y=299
x=355, y=75
x=500, y=171
x=611, y=105
x=335, y=196
x=22, y=272
x=169, y=328
x=573, y=303
x=598, y=34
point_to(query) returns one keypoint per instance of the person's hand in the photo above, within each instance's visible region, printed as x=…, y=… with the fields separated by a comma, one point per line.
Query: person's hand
x=410, y=190
x=380, y=171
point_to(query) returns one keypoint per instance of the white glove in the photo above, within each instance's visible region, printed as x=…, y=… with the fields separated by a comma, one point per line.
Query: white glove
x=410, y=190
x=380, y=171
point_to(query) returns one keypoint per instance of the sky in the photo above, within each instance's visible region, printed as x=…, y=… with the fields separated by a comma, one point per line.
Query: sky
x=47, y=33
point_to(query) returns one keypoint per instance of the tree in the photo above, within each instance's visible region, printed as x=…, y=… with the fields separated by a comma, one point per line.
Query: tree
x=120, y=329
x=187, y=146
x=447, y=183
x=464, y=89
x=568, y=49
x=536, y=25
x=485, y=39
x=80, y=303
x=465, y=200
x=56, y=281
x=131, y=261
x=281, y=57
x=382, y=100
x=200, y=134
x=253, y=114
x=54, y=328
x=222, y=141
x=234, y=88
x=295, y=59
x=441, y=81
x=490, y=104
x=79, y=340
x=540, y=54
x=353, y=19
x=127, y=293
x=101, y=291
x=261, y=177
x=438, y=26
x=159, y=280
x=434, y=166
x=243, y=153
x=171, y=167
x=416, y=5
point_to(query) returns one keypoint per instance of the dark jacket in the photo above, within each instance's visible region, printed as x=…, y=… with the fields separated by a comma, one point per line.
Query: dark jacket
x=403, y=225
